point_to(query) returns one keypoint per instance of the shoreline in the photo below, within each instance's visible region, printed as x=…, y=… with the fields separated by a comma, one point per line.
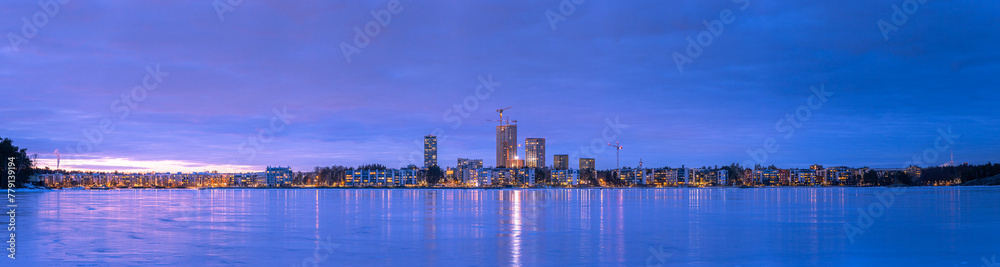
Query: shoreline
x=484, y=188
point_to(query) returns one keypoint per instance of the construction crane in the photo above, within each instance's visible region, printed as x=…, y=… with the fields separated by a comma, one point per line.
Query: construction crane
x=618, y=158
x=508, y=121
x=505, y=146
x=501, y=113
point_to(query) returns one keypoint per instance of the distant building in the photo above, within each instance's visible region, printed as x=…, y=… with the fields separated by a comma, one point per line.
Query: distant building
x=588, y=172
x=803, y=176
x=587, y=163
x=636, y=176
x=914, y=172
x=279, y=176
x=560, y=162
x=681, y=176
x=250, y=179
x=506, y=144
x=565, y=177
x=382, y=178
x=766, y=177
x=534, y=152
x=506, y=176
x=784, y=177
x=838, y=175
x=703, y=177
x=466, y=171
x=660, y=177
x=430, y=151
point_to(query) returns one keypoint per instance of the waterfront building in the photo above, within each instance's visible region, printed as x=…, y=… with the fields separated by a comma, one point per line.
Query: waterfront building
x=564, y=177
x=560, y=162
x=534, y=152
x=466, y=170
x=249, y=179
x=803, y=176
x=430, y=151
x=838, y=175
x=278, y=176
x=784, y=177
x=681, y=176
x=705, y=177
x=661, y=177
x=588, y=172
x=506, y=144
x=766, y=177
x=382, y=177
x=636, y=176
x=509, y=177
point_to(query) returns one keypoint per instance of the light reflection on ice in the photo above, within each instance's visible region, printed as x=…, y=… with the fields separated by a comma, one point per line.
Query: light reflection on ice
x=367, y=227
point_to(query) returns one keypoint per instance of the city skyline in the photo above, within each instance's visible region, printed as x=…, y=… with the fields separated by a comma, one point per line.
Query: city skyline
x=221, y=99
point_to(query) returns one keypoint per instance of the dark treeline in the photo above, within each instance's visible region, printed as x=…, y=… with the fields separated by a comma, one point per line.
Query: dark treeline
x=24, y=167
x=964, y=173
x=326, y=176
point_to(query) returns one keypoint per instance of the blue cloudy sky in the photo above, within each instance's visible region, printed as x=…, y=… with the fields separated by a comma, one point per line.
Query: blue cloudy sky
x=68, y=78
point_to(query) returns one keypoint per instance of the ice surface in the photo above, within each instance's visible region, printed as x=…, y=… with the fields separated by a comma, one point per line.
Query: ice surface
x=927, y=226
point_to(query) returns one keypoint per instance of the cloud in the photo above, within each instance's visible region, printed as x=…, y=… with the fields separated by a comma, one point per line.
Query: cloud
x=606, y=60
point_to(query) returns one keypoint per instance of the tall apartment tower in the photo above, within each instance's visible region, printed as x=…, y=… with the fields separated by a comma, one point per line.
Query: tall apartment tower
x=506, y=144
x=430, y=151
x=534, y=152
x=586, y=163
x=560, y=162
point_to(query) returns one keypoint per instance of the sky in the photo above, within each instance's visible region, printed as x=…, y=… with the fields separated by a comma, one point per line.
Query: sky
x=240, y=85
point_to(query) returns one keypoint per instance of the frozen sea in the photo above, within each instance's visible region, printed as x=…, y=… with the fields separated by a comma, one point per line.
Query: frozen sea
x=922, y=226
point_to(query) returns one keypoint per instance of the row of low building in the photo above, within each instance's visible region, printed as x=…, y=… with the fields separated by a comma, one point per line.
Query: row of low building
x=271, y=177
x=674, y=177
x=815, y=175
x=470, y=172
x=405, y=177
